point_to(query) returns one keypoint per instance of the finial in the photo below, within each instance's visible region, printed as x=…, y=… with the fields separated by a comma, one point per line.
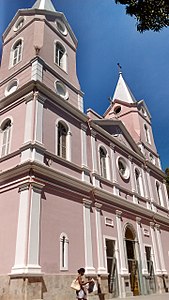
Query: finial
x=119, y=68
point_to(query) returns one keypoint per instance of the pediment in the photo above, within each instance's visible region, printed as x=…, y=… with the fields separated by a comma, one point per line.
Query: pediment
x=119, y=132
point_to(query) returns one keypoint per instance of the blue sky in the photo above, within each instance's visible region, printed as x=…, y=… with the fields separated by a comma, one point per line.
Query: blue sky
x=107, y=36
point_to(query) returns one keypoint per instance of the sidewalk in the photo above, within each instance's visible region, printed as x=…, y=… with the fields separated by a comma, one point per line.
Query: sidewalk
x=148, y=297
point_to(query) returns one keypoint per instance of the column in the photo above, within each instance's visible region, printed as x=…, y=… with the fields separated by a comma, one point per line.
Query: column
x=133, y=185
x=155, y=251
x=150, y=191
x=114, y=169
x=160, y=248
x=34, y=229
x=85, y=171
x=94, y=159
x=28, y=231
x=142, y=250
x=149, y=184
x=88, y=237
x=38, y=118
x=22, y=231
x=144, y=182
x=94, y=156
x=100, y=254
x=123, y=264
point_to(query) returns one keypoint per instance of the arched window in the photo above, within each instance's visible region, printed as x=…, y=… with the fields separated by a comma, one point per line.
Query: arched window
x=139, y=186
x=159, y=194
x=6, y=136
x=60, y=56
x=16, y=52
x=147, y=134
x=103, y=154
x=62, y=140
x=64, y=243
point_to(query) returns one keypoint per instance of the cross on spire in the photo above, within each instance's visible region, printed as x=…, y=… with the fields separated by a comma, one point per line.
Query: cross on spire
x=119, y=68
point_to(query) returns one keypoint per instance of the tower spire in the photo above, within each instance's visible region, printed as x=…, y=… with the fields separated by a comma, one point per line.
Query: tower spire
x=122, y=91
x=44, y=4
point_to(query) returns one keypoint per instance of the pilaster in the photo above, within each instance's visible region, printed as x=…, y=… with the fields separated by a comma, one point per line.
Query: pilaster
x=155, y=250
x=88, y=237
x=100, y=254
x=133, y=185
x=123, y=264
x=160, y=249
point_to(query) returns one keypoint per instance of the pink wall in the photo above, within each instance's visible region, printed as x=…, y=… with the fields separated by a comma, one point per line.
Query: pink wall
x=9, y=206
x=61, y=213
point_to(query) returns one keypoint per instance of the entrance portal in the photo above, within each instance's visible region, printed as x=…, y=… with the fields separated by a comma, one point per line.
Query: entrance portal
x=132, y=261
x=112, y=268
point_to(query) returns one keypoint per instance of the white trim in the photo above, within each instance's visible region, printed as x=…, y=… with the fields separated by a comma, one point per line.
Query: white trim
x=21, y=18
x=140, y=240
x=159, y=194
x=37, y=71
x=107, y=160
x=34, y=227
x=22, y=230
x=68, y=138
x=100, y=256
x=160, y=249
x=39, y=120
x=140, y=181
x=64, y=87
x=8, y=88
x=65, y=56
x=94, y=157
x=28, y=122
x=83, y=145
x=11, y=65
x=64, y=32
x=122, y=255
x=9, y=135
x=166, y=194
x=88, y=238
x=154, y=250
x=113, y=163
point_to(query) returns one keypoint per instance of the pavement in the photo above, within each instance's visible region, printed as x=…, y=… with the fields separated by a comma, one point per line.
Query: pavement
x=149, y=297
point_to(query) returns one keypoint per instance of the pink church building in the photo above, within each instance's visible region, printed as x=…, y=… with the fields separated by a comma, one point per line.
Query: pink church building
x=76, y=189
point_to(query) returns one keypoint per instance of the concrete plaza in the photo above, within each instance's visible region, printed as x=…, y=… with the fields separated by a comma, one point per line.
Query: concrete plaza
x=150, y=297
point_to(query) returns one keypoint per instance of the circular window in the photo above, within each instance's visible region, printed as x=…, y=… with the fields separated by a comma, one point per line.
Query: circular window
x=117, y=109
x=123, y=168
x=19, y=23
x=61, y=27
x=61, y=90
x=11, y=88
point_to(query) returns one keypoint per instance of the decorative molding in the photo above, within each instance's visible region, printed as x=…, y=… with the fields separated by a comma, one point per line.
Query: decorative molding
x=87, y=203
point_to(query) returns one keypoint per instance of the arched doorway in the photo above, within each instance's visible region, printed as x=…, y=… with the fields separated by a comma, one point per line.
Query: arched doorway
x=130, y=239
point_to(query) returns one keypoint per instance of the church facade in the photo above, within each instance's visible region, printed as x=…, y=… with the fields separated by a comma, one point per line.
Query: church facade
x=76, y=189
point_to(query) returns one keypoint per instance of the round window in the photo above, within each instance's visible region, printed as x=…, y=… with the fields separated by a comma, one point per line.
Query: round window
x=61, y=90
x=11, y=88
x=61, y=27
x=117, y=109
x=19, y=23
x=123, y=168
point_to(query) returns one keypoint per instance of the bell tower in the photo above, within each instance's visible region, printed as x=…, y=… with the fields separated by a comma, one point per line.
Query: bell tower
x=135, y=116
x=40, y=46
